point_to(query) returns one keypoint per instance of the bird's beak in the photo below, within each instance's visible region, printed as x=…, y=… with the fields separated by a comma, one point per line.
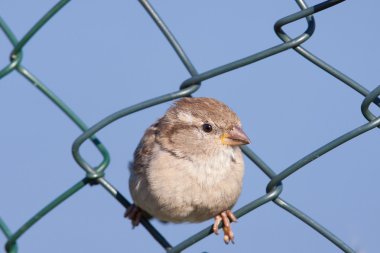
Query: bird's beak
x=235, y=137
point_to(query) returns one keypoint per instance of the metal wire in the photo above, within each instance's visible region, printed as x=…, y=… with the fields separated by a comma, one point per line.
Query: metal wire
x=95, y=174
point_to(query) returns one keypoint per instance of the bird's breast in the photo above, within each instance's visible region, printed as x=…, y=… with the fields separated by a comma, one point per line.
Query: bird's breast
x=193, y=189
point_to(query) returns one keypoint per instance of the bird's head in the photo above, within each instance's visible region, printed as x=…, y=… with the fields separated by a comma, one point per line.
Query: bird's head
x=200, y=126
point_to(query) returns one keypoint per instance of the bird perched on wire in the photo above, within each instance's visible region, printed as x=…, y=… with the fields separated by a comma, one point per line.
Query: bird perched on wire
x=188, y=166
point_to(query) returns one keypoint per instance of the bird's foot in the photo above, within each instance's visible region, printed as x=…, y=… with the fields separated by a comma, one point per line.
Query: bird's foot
x=226, y=217
x=133, y=213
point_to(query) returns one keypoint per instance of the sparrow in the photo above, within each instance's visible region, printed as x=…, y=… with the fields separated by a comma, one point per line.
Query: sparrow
x=188, y=166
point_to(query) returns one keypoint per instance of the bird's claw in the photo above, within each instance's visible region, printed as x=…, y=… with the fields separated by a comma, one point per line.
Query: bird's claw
x=133, y=213
x=226, y=217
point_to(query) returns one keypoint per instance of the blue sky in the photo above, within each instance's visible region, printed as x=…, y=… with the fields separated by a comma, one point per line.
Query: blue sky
x=101, y=57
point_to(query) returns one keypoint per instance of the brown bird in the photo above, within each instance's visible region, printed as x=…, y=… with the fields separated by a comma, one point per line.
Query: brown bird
x=188, y=166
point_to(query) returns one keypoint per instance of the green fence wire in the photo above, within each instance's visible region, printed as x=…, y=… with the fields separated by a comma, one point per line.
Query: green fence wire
x=95, y=174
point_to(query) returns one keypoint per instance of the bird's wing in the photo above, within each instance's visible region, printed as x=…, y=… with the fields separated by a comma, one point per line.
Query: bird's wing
x=143, y=153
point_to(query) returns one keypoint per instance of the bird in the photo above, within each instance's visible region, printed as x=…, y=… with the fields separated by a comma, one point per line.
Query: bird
x=188, y=166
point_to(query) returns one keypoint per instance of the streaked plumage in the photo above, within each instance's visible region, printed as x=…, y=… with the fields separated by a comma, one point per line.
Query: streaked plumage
x=184, y=172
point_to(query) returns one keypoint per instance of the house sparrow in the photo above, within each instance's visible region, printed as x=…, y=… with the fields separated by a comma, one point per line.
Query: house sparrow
x=188, y=166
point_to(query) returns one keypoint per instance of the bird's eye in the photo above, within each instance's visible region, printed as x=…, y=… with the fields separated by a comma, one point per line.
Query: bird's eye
x=207, y=128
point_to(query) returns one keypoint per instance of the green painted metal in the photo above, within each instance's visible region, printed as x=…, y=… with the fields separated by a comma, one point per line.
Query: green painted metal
x=95, y=174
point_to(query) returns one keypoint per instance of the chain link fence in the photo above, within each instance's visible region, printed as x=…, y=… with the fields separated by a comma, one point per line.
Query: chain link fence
x=94, y=175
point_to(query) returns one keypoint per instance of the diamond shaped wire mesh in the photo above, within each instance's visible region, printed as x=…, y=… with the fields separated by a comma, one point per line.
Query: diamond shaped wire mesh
x=94, y=175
